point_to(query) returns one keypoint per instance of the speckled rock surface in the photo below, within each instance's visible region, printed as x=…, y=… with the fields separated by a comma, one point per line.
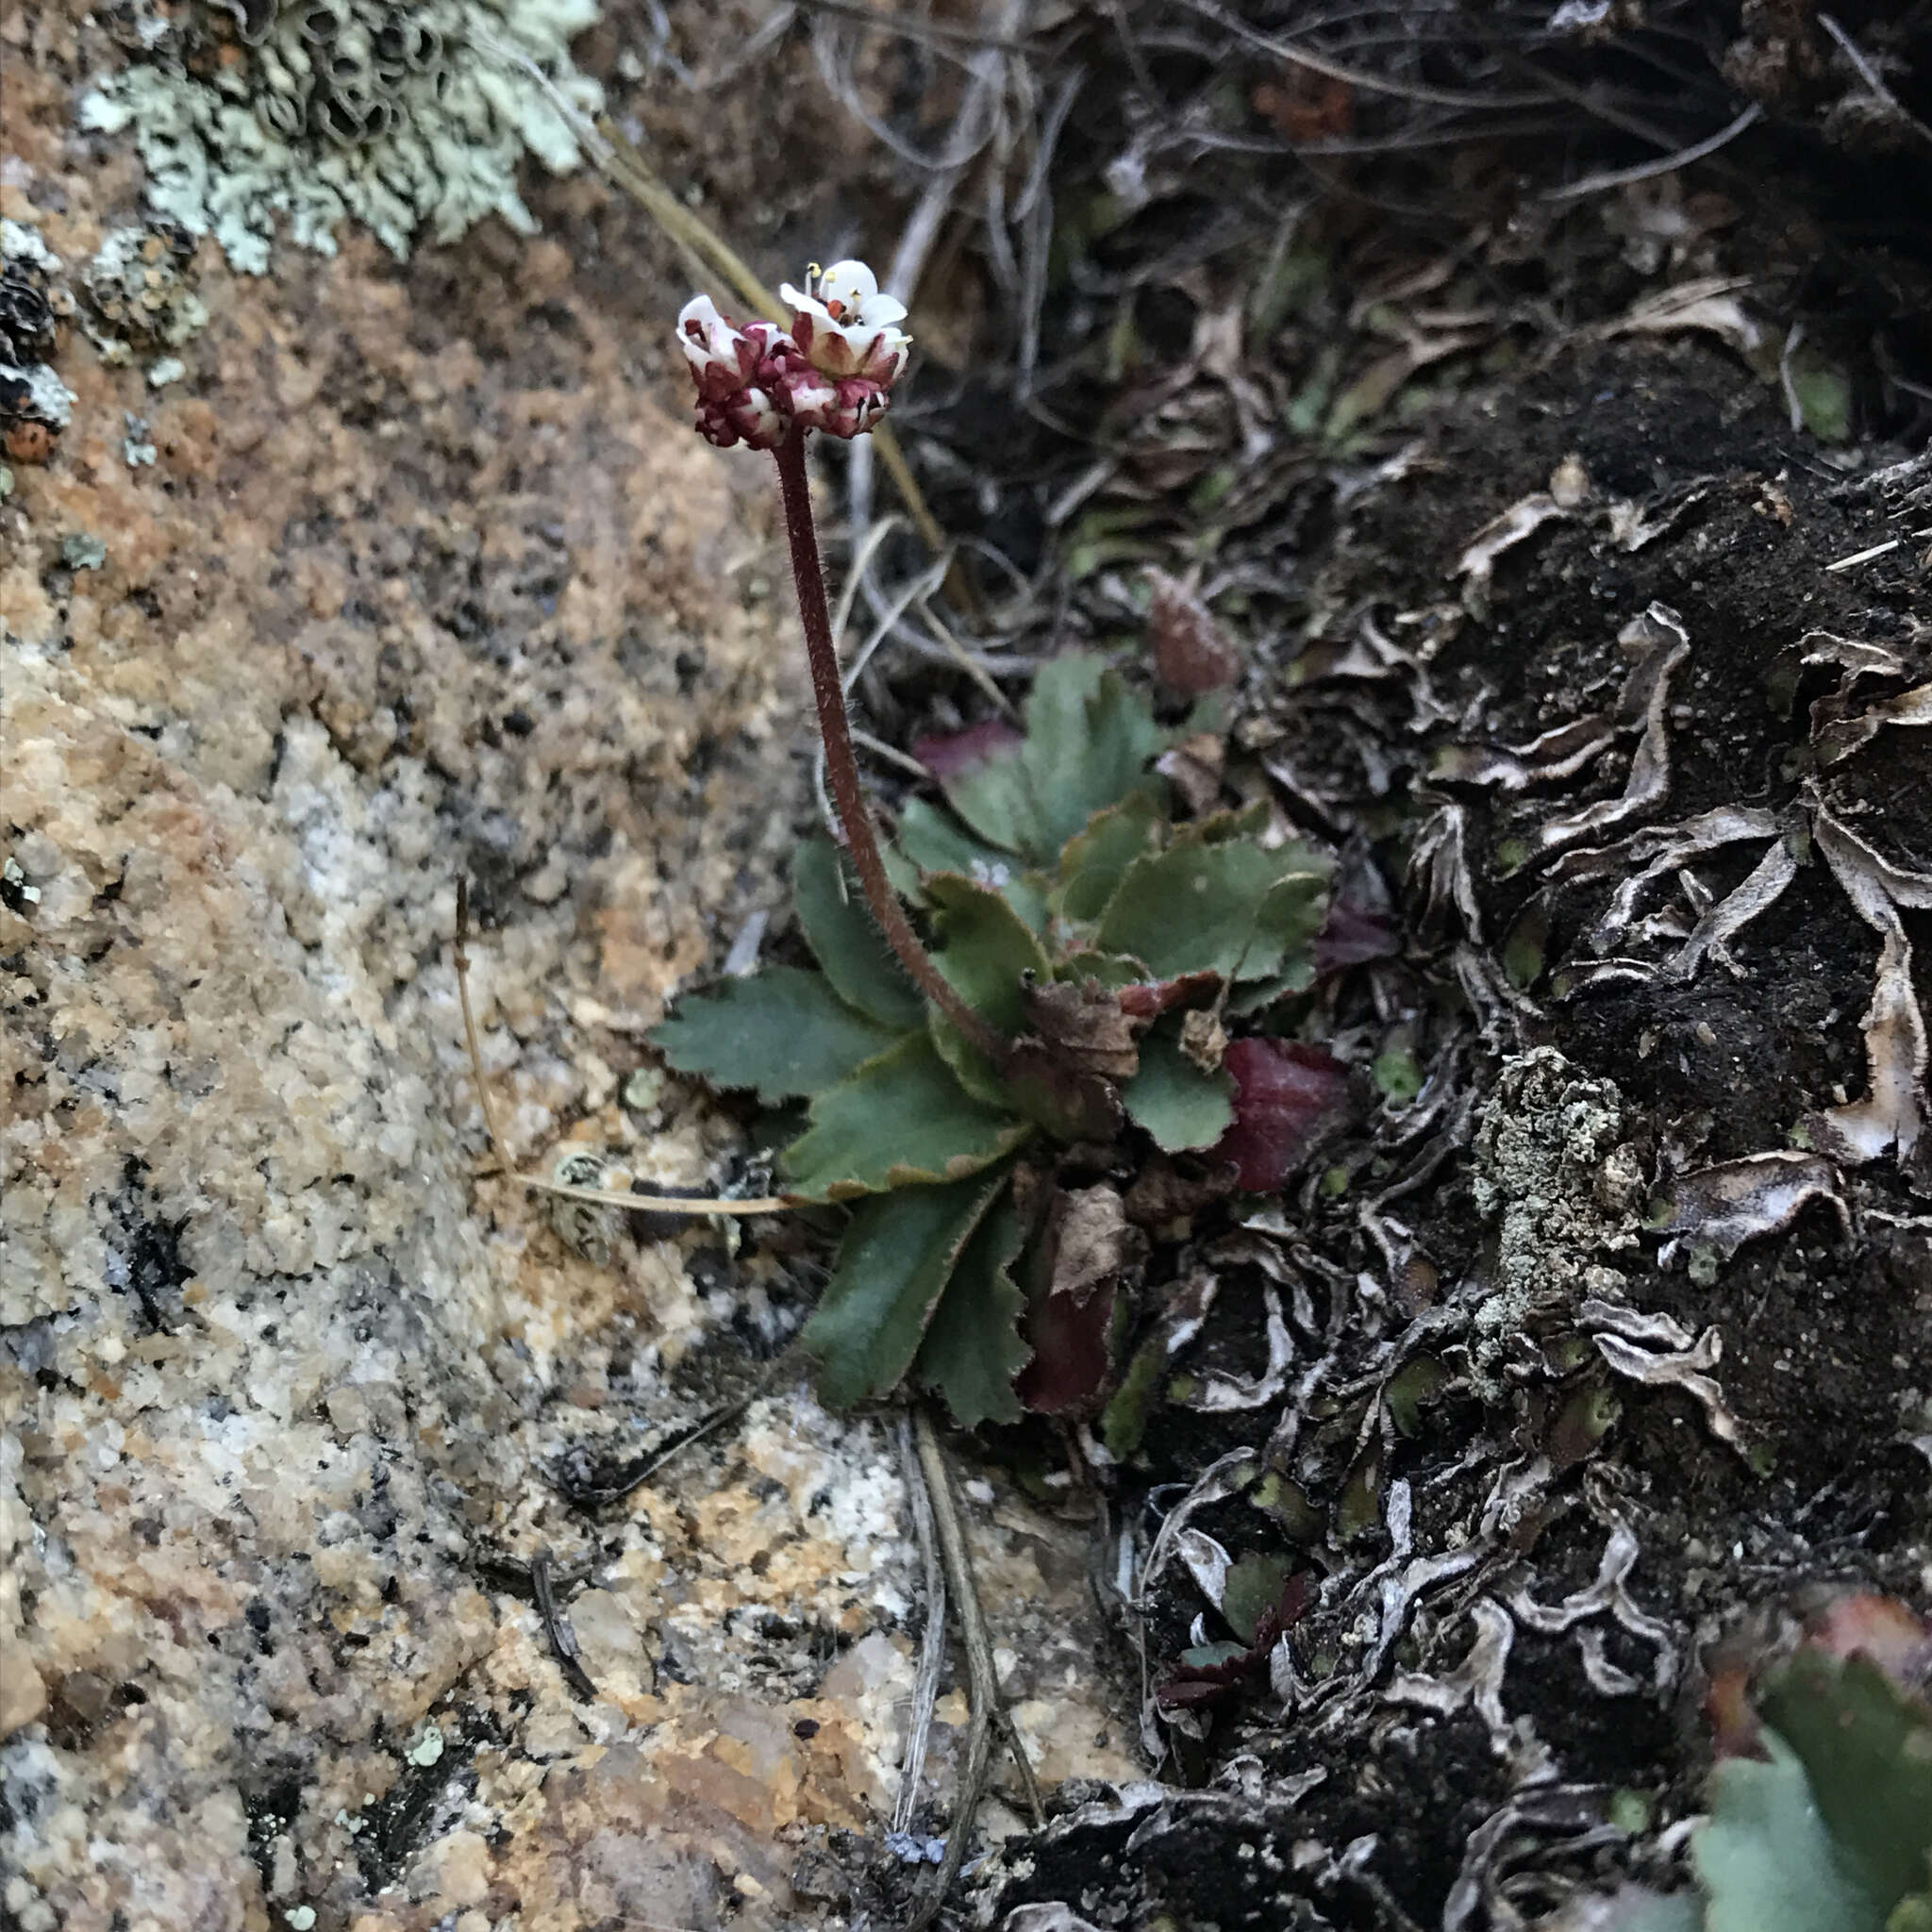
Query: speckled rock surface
x=423, y=574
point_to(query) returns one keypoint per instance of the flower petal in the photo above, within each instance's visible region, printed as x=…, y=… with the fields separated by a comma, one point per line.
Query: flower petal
x=849, y=283
x=700, y=309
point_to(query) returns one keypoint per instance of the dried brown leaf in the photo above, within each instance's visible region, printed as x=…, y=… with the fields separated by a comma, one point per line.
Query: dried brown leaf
x=1735, y=1202
x=1192, y=654
x=1085, y=1022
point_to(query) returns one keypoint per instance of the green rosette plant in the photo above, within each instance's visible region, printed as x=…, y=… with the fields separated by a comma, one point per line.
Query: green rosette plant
x=1079, y=949
x=1096, y=939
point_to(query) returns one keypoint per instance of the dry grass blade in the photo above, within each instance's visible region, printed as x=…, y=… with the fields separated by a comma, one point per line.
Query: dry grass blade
x=622, y=164
x=1664, y=164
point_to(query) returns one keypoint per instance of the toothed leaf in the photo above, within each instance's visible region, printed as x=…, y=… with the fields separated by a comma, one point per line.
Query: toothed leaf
x=899, y=1252
x=1089, y=740
x=1176, y=1102
x=1088, y=743
x=973, y=1348
x=1095, y=859
x=783, y=1033
x=935, y=842
x=1231, y=908
x=987, y=950
x=994, y=799
x=900, y=1119
x=846, y=940
x=1867, y=1749
x=1765, y=1859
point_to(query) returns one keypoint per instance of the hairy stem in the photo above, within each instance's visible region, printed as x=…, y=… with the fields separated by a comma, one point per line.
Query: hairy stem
x=842, y=769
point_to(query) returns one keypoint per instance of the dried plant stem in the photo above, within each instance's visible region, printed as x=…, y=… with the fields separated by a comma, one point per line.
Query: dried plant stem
x=841, y=768
x=652, y=1204
x=932, y=1645
x=986, y=1710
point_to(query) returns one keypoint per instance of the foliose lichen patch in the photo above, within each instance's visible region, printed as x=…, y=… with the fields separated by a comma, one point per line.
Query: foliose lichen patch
x=140, y=289
x=35, y=405
x=408, y=117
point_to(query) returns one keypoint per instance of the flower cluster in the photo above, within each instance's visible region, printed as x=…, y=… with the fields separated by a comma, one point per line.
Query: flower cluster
x=833, y=369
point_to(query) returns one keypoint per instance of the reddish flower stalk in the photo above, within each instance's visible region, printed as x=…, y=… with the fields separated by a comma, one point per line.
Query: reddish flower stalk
x=841, y=768
x=766, y=386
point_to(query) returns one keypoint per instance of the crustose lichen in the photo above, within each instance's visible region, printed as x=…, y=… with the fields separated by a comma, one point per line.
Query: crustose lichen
x=408, y=118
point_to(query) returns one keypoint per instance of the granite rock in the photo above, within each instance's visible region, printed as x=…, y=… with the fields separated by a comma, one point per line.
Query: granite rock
x=427, y=576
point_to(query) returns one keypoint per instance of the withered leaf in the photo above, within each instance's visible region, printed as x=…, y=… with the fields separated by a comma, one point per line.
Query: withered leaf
x=1192, y=653
x=1051, y=1088
x=1085, y=1024
x=1087, y=1244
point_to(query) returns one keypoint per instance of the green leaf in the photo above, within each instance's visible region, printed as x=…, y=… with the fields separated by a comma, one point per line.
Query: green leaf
x=1232, y=908
x=1124, y=1421
x=898, y=1254
x=1110, y=969
x=973, y=1348
x=1258, y=995
x=908, y=880
x=988, y=947
x=1088, y=743
x=1254, y=1587
x=1765, y=1859
x=1524, y=949
x=934, y=844
x=1823, y=395
x=1637, y=1908
x=1093, y=862
x=934, y=841
x=1868, y=1753
x=899, y=1121
x=994, y=799
x=847, y=943
x=1223, y=827
x=1397, y=1072
x=782, y=1031
x=1176, y=1102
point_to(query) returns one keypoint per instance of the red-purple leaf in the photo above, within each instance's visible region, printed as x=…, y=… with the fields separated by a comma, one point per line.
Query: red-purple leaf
x=1087, y=1244
x=1189, y=1686
x=1071, y=1362
x=960, y=752
x=1285, y=1094
x=1350, y=935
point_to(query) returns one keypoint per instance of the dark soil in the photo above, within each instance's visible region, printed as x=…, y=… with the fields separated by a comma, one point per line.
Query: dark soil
x=1826, y=1336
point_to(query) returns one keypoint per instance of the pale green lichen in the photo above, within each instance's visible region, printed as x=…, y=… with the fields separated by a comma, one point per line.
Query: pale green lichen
x=411, y=119
x=140, y=288
x=1553, y=1172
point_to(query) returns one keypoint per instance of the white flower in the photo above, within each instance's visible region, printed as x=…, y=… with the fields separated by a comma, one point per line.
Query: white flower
x=847, y=327
x=722, y=358
x=833, y=369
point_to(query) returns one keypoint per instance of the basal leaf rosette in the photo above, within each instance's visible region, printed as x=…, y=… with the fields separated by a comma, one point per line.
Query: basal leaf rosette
x=1111, y=946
